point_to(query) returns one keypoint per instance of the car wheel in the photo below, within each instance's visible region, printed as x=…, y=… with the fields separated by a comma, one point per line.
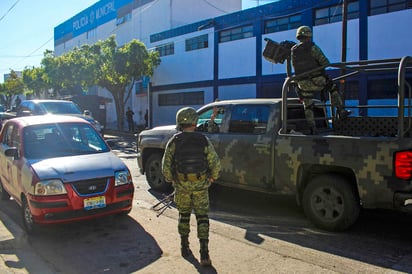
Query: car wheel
x=330, y=202
x=28, y=222
x=154, y=176
x=4, y=196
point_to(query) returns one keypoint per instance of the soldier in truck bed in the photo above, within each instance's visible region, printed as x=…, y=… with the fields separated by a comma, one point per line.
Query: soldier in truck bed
x=307, y=56
x=190, y=162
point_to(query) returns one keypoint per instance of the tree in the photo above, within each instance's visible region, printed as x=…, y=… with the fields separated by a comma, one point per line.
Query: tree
x=35, y=81
x=11, y=87
x=118, y=69
x=103, y=64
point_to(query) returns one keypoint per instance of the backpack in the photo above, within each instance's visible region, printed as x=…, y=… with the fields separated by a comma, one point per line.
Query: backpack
x=190, y=156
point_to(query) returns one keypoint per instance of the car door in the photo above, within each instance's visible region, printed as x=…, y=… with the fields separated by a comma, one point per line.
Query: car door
x=245, y=146
x=9, y=173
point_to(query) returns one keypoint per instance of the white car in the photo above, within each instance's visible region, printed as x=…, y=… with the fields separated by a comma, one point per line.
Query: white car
x=62, y=107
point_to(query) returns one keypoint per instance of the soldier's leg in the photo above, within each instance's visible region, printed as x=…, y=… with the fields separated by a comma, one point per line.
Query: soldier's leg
x=309, y=114
x=336, y=99
x=201, y=208
x=184, y=206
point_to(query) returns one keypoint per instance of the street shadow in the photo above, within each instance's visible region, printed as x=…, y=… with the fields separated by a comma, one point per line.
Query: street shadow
x=111, y=244
x=376, y=232
x=201, y=269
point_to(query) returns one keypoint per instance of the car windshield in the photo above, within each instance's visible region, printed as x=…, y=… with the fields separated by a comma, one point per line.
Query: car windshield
x=2, y=108
x=59, y=140
x=61, y=107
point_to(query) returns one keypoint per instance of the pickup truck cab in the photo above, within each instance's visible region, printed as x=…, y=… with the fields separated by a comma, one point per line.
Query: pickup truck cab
x=265, y=145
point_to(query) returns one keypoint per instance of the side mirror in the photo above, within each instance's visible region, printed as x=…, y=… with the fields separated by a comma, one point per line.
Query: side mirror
x=12, y=152
x=87, y=112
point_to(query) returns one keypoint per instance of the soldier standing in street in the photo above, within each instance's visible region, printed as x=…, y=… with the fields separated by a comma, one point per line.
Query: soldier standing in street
x=307, y=56
x=191, y=164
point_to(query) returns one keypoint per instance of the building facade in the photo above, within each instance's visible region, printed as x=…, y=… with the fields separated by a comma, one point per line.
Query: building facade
x=214, y=51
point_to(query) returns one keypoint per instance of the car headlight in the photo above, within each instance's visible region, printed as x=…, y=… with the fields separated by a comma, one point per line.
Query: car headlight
x=122, y=177
x=49, y=187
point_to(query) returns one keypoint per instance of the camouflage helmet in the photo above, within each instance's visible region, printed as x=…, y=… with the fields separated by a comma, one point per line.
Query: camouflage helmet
x=303, y=31
x=186, y=116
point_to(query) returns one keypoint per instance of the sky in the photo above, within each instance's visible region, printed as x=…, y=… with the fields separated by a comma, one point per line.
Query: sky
x=27, y=26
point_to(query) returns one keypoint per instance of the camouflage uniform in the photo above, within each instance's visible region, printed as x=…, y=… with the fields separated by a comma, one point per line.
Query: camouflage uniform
x=318, y=80
x=191, y=192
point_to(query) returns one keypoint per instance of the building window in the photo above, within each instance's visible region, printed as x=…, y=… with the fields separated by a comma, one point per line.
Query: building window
x=236, y=34
x=167, y=49
x=199, y=42
x=182, y=98
x=284, y=23
x=382, y=88
x=385, y=6
x=334, y=13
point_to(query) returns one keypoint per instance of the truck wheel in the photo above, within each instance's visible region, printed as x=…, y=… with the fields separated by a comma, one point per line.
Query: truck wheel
x=28, y=221
x=154, y=176
x=331, y=203
x=4, y=196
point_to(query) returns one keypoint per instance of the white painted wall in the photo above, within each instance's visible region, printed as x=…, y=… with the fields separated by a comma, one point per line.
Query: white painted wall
x=237, y=58
x=389, y=35
x=166, y=115
x=237, y=92
x=185, y=66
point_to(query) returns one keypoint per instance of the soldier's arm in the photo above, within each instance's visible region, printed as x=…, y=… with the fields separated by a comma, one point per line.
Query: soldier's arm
x=319, y=56
x=167, y=161
x=213, y=161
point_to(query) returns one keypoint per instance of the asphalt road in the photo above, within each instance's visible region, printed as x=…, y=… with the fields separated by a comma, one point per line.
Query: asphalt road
x=250, y=233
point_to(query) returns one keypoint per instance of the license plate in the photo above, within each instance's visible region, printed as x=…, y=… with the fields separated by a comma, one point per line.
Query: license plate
x=95, y=202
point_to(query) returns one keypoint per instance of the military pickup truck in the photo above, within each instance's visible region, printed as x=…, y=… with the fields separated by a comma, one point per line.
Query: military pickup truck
x=264, y=145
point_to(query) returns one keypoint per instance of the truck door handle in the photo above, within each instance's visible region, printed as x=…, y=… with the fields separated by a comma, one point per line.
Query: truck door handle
x=261, y=145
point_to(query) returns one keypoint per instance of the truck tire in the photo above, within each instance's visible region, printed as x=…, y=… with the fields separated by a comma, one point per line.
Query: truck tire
x=154, y=176
x=330, y=203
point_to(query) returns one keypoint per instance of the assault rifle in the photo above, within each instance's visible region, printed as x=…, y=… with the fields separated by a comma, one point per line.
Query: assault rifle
x=278, y=53
x=163, y=204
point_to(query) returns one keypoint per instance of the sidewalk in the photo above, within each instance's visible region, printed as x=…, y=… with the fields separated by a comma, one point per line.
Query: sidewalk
x=16, y=254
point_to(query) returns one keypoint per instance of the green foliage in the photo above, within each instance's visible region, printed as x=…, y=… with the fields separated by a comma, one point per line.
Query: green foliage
x=103, y=64
x=34, y=80
x=11, y=87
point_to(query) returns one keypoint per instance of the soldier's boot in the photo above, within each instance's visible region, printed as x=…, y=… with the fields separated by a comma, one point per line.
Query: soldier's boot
x=337, y=101
x=185, y=249
x=204, y=253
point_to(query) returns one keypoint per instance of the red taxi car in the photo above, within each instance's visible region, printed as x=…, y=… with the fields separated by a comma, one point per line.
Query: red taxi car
x=60, y=169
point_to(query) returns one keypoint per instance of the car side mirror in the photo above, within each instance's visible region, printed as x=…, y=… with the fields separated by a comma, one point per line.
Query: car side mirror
x=12, y=152
x=86, y=112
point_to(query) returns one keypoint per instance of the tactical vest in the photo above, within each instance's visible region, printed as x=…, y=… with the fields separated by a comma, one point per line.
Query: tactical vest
x=303, y=59
x=190, y=156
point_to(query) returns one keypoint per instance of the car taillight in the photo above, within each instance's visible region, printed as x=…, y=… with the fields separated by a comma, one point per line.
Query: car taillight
x=403, y=165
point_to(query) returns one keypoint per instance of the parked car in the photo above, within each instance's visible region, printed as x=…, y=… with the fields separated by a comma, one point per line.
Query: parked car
x=60, y=169
x=5, y=115
x=46, y=106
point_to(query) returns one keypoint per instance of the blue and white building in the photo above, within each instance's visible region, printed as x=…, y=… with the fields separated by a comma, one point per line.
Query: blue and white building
x=212, y=49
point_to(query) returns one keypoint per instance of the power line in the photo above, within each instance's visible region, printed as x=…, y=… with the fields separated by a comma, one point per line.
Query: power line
x=7, y=12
